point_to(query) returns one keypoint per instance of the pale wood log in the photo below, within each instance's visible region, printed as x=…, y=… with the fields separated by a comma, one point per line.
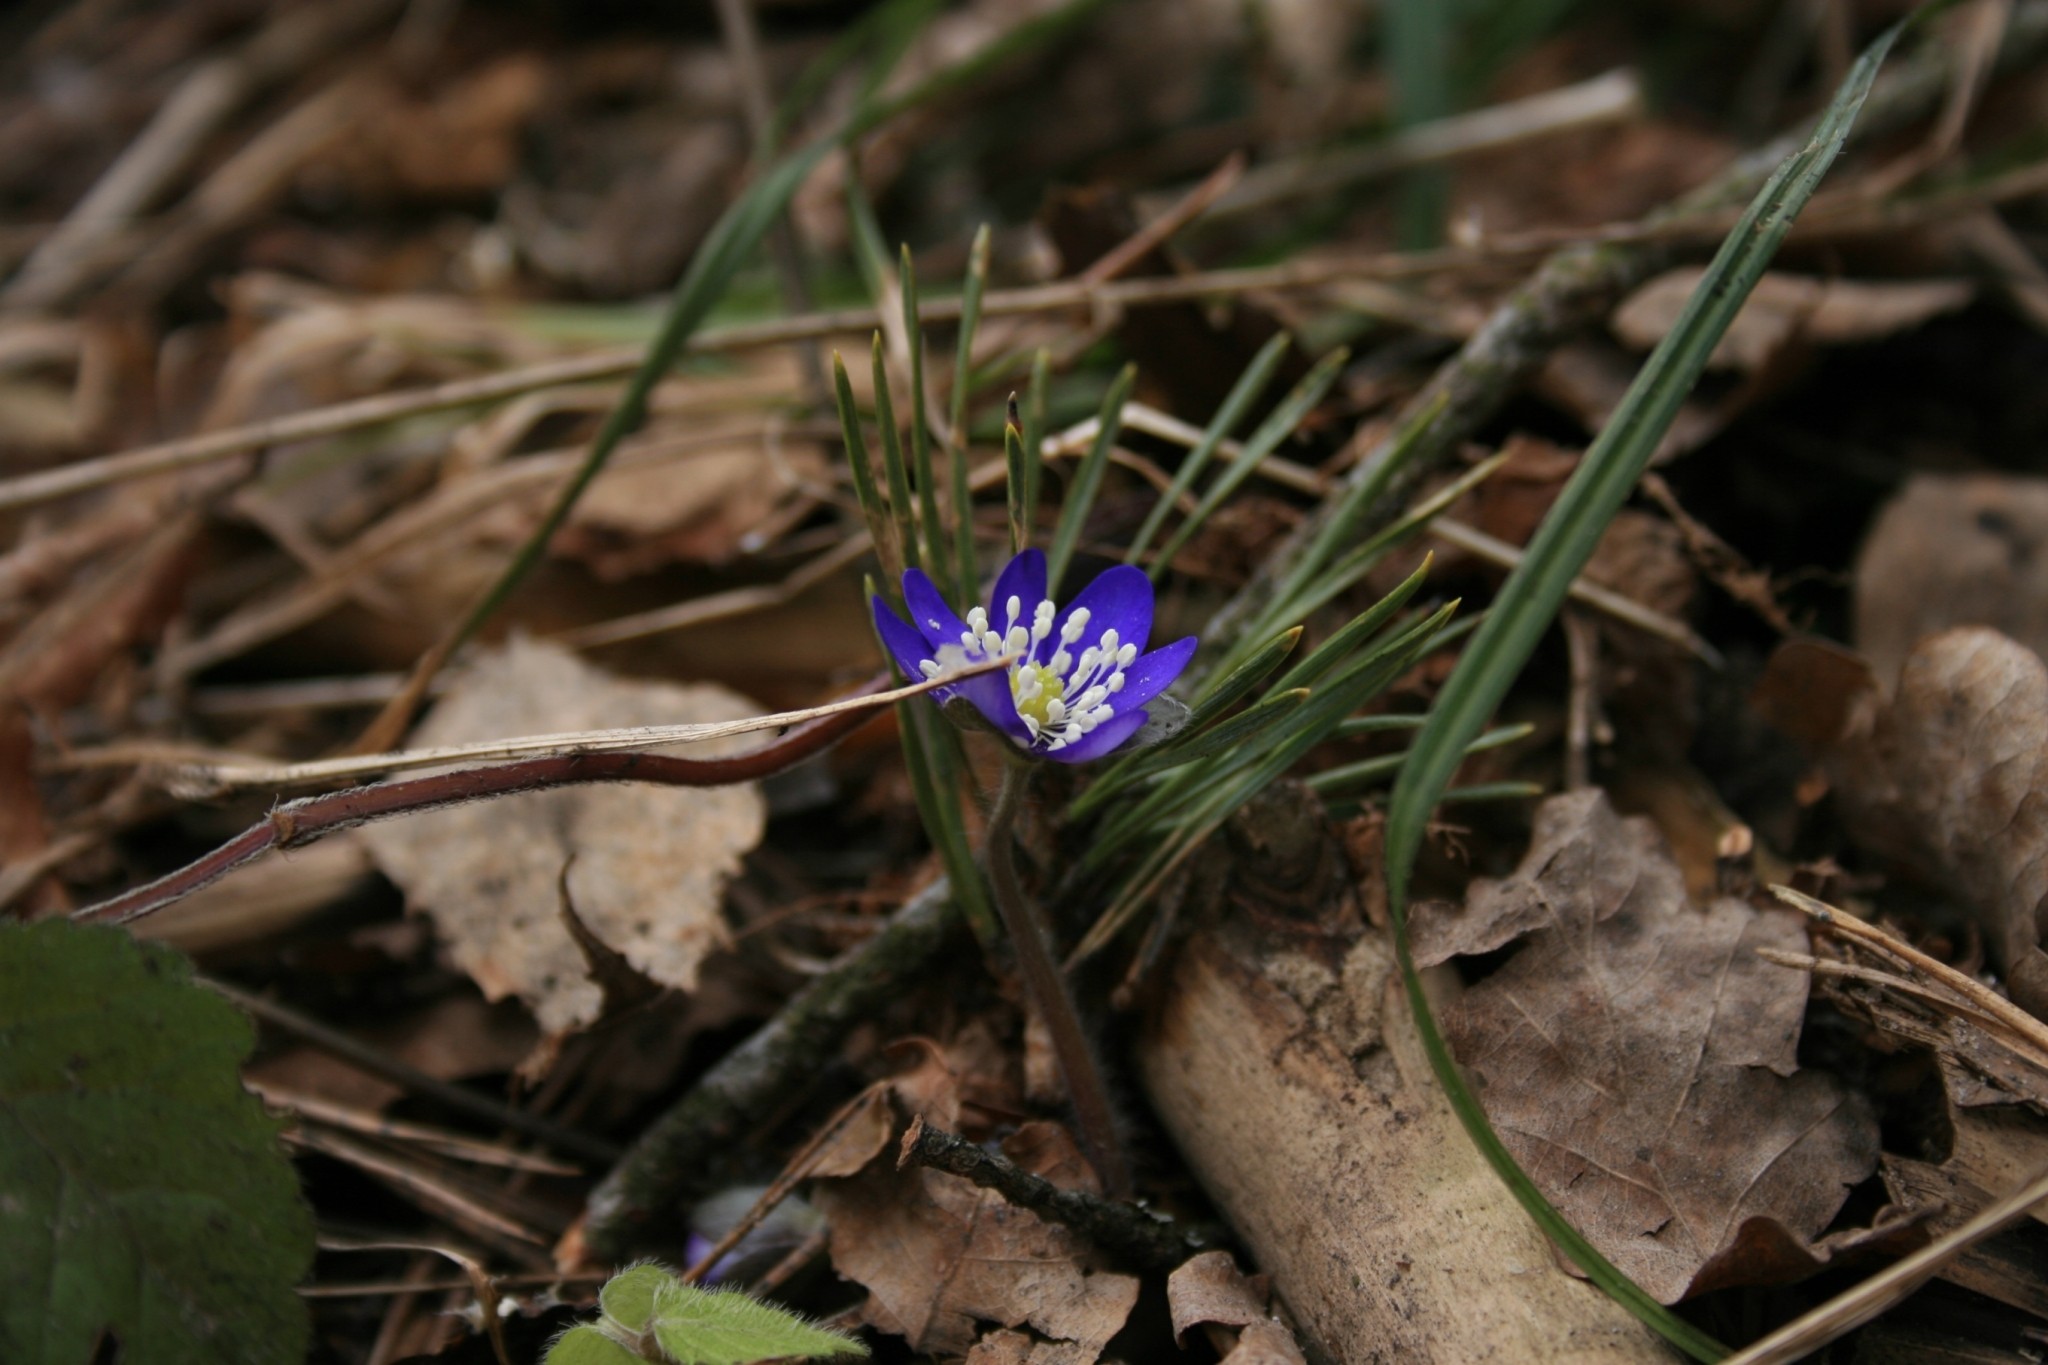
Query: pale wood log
x=1284, y=1062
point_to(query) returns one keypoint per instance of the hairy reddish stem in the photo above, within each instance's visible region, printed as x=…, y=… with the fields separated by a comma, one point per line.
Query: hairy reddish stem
x=298, y=823
x=1046, y=987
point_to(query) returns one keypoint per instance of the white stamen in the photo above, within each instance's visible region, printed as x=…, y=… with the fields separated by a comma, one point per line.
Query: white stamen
x=977, y=621
x=1125, y=655
x=1116, y=682
x=1076, y=623
x=1018, y=640
x=1055, y=712
x=1016, y=609
x=1061, y=662
x=1092, y=698
x=1109, y=642
x=929, y=667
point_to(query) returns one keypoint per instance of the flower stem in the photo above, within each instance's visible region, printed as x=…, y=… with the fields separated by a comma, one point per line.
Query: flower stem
x=1046, y=988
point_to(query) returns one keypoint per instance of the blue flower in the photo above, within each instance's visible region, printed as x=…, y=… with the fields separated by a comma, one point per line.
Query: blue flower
x=1080, y=685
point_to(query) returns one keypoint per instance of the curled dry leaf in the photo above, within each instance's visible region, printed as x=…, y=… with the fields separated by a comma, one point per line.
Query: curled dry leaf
x=1943, y=778
x=650, y=863
x=1786, y=308
x=1210, y=1291
x=1948, y=551
x=1638, y=1058
x=939, y=1255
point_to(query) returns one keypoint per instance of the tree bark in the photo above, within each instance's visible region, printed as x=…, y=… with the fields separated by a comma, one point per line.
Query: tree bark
x=1283, y=1060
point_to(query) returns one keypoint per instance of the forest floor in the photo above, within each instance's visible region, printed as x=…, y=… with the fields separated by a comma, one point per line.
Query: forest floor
x=380, y=377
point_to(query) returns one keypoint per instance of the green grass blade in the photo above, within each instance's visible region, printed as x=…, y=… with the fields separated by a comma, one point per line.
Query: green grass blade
x=1360, y=628
x=1233, y=688
x=1275, y=429
x=928, y=752
x=887, y=28
x=971, y=291
x=1273, y=709
x=1348, y=778
x=1087, y=481
x=1017, y=463
x=880, y=524
x=1224, y=793
x=1243, y=394
x=1530, y=598
x=894, y=472
x=1356, y=501
x=921, y=441
x=1034, y=439
x=1419, y=60
x=1360, y=561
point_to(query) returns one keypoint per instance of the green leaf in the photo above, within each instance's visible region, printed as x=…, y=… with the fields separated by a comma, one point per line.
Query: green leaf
x=725, y=1327
x=1242, y=395
x=1087, y=480
x=628, y=1297
x=1530, y=598
x=142, y=1190
x=1277, y=427
x=956, y=414
x=585, y=1344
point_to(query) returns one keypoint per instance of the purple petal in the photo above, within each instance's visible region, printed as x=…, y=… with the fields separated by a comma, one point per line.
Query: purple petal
x=905, y=644
x=1149, y=674
x=929, y=614
x=990, y=694
x=1103, y=737
x=1119, y=599
x=1024, y=579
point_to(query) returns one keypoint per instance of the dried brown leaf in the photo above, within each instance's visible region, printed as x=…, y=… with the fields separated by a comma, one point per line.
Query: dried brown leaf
x=1787, y=308
x=1946, y=779
x=1639, y=1058
x=937, y=1255
x=632, y=521
x=650, y=863
x=1209, y=1288
x=1953, y=551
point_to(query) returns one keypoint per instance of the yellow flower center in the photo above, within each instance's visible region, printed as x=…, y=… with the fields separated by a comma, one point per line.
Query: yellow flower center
x=1034, y=696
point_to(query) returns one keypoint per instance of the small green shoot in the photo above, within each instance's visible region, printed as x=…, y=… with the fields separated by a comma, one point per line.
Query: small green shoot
x=649, y=1317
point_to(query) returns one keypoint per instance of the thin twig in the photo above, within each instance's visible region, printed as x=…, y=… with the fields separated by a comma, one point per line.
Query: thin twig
x=1476, y=542
x=1829, y=215
x=210, y=773
x=1614, y=97
x=442, y=1198
x=362, y=1056
x=1124, y=1229
x=298, y=823
x=207, y=97
x=442, y=1141
x=1980, y=996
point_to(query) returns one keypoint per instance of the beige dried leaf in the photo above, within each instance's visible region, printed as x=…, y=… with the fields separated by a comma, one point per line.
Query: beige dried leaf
x=937, y=1255
x=1953, y=550
x=1784, y=308
x=1209, y=1288
x=1945, y=779
x=1639, y=1058
x=650, y=863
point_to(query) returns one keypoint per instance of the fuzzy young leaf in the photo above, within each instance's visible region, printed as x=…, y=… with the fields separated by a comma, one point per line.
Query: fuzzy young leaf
x=142, y=1190
x=585, y=1344
x=725, y=1327
x=628, y=1297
